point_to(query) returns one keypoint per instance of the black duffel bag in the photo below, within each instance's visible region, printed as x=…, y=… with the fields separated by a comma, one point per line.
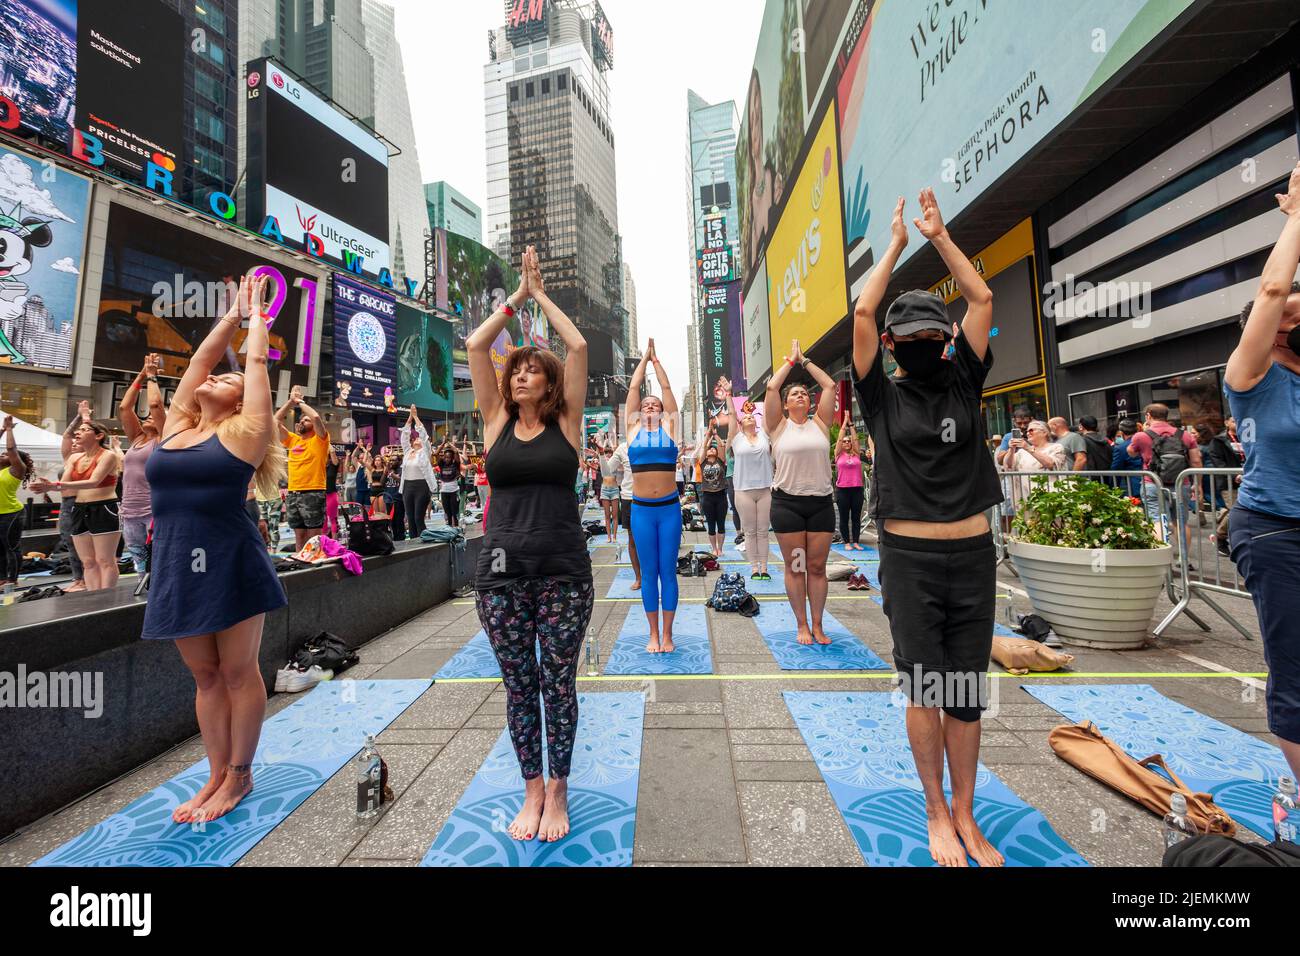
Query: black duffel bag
x=327, y=651
x=367, y=536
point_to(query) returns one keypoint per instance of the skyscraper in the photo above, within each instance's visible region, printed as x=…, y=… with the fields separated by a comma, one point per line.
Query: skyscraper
x=632, y=344
x=712, y=131
x=452, y=210
x=550, y=157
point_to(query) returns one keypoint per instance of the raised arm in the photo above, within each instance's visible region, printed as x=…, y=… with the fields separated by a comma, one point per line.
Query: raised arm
x=826, y=400
x=282, y=430
x=854, y=447
x=1251, y=359
x=575, y=359
x=866, y=333
x=773, y=413
x=978, y=324
x=126, y=408
x=250, y=444
x=16, y=467
x=487, y=389
x=666, y=393
x=82, y=417
x=205, y=358
x=634, y=392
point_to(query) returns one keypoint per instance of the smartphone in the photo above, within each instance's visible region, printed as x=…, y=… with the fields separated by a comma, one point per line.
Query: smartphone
x=1017, y=435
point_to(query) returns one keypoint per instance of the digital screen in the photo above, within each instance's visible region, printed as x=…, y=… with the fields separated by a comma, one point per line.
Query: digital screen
x=365, y=347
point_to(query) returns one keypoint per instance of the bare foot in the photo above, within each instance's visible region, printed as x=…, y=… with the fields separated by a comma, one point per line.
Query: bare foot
x=555, y=821
x=237, y=785
x=668, y=645
x=945, y=848
x=524, y=826
x=653, y=646
x=804, y=636
x=75, y=586
x=984, y=853
x=637, y=585
x=185, y=812
x=820, y=633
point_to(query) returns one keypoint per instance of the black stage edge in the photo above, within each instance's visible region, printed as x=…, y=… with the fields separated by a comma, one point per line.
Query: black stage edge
x=53, y=755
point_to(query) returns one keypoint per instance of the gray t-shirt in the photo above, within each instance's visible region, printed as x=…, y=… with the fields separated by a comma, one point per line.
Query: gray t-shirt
x=1073, y=444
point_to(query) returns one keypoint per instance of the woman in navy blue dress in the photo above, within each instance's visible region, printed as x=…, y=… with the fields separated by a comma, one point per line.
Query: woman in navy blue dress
x=211, y=581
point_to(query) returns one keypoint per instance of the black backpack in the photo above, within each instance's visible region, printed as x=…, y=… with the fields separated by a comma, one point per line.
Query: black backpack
x=1215, y=850
x=1168, y=456
x=327, y=651
x=1099, y=453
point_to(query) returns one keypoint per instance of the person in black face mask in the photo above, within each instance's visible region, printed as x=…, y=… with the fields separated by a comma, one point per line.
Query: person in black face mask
x=932, y=483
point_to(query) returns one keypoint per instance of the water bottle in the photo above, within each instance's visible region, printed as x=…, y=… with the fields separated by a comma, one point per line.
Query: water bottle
x=1286, y=825
x=370, y=773
x=593, y=655
x=1178, y=827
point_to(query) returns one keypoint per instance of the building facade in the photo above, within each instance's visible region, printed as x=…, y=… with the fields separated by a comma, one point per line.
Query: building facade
x=448, y=208
x=550, y=159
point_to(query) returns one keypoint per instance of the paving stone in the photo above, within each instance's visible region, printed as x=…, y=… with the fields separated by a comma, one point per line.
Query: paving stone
x=782, y=770
x=686, y=801
x=794, y=824
x=445, y=706
x=415, y=664
x=684, y=721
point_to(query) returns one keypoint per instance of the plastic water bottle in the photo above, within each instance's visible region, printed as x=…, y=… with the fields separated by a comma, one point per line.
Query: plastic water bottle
x=370, y=773
x=1286, y=824
x=593, y=655
x=1178, y=827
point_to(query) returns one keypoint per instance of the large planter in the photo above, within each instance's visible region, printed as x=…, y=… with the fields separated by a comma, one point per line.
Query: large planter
x=1091, y=602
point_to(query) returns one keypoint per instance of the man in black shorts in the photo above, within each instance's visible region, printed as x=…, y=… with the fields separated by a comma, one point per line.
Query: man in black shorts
x=932, y=483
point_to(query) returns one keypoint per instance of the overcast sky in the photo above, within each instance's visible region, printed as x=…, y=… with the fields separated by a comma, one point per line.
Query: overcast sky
x=661, y=49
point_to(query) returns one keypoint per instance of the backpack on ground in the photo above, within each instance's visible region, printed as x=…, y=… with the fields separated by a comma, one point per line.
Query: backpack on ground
x=1084, y=747
x=327, y=651
x=1168, y=457
x=1099, y=452
x=728, y=593
x=1210, y=850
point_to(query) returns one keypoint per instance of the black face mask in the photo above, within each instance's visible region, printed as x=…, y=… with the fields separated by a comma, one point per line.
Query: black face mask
x=921, y=358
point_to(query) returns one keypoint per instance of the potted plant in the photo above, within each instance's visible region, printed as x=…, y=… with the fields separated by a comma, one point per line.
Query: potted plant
x=1090, y=560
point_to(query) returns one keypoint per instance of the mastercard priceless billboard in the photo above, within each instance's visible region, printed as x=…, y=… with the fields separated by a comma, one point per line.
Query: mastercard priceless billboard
x=807, y=293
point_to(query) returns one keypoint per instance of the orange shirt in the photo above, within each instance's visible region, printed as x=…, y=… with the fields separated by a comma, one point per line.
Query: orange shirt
x=307, y=457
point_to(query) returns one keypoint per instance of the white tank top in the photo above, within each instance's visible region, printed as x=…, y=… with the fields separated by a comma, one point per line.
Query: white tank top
x=802, y=455
x=753, y=463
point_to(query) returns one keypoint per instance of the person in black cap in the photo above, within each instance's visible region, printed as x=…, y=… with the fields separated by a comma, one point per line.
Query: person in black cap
x=932, y=484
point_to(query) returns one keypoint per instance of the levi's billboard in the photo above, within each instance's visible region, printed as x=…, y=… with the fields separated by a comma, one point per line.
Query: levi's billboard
x=805, y=256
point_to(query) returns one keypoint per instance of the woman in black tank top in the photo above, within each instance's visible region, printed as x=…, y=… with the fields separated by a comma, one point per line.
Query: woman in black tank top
x=534, y=575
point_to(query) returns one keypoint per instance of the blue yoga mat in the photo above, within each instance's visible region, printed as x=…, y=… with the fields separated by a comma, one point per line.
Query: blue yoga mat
x=602, y=797
x=859, y=742
x=778, y=627
x=692, y=654
x=1238, y=770
x=869, y=555
x=301, y=747
x=621, y=586
x=475, y=659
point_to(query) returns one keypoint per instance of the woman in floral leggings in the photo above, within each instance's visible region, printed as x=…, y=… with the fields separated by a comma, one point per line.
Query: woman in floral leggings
x=534, y=574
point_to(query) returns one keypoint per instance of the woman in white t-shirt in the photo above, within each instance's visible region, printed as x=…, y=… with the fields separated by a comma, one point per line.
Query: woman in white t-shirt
x=752, y=479
x=1034, y=452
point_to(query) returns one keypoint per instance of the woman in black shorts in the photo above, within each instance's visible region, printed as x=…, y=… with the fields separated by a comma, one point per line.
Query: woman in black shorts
x=803, y=515
x=713, y=491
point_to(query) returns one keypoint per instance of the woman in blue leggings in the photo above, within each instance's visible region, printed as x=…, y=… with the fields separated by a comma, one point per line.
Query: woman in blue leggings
x=656, y=509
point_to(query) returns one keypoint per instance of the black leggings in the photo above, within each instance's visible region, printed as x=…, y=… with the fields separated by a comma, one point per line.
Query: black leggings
x=849, y=503
x=451, y=506
x=714, y=506
x=11, y=535
x=415, y=499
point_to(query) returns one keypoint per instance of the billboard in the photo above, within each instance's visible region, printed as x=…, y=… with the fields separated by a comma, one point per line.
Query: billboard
x=164, y=286
x=823, y=21
x=424, y=363
x=527, y=20
x=602, y=38
x=719, y=304
x=758, y=331
x=772, y=130
x=365, y=347
x=954, y=101
x=321, y=177
x=805, y=257
x=42, y=248
x=478, y=283
x=715, y=266
x=130, y=82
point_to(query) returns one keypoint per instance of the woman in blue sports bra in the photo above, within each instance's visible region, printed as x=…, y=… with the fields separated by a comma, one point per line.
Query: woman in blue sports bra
x=211, y=581
x=656, y=508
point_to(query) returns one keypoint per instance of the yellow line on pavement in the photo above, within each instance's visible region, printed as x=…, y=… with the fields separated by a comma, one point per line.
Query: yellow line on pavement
x=878, y=675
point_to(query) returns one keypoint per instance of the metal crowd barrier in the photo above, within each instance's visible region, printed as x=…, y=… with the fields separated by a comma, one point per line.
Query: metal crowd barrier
x=1157, y=502
x=1201, y=579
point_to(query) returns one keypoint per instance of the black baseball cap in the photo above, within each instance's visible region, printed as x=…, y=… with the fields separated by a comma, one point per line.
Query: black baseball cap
x=917, y=311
